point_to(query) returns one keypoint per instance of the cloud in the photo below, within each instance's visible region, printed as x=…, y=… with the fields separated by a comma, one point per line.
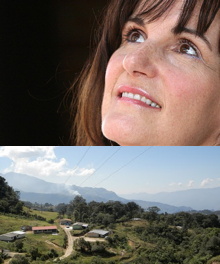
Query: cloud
x=206, y=181
x=85, y=172
x=190, y=183
x=40, y=162
x=176, y=184
x=27, y=152
x=76, y=172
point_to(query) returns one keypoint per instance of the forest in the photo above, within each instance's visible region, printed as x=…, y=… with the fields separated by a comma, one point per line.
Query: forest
x=188, y=238
x=137, y=236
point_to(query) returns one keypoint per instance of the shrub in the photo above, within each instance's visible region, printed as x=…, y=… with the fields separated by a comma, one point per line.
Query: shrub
x=19, y=259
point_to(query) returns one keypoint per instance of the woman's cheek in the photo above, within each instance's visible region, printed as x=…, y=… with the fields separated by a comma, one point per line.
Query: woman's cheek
x=184, y=84
x=114, y=67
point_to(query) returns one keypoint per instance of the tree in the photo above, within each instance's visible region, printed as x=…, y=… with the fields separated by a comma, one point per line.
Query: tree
x=78, y=207
x=19, y=259
x=19, y=245
x=97, y=260
x=104, y=219
x=3, y=256
x=9, y=199
x=154, y=209
x=133, y=210
x=98, y=247
x=213, y=245
x=211, y=221
x=34, y=253
x=82, y=245
x=61, y=208
x=152, y=213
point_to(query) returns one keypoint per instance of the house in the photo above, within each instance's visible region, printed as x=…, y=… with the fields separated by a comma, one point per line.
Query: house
x=26, y=228
x=66, y=222
x=12, y=236
x=97, y=233
x=44, y=229
x=79, y=226
x=9, y=237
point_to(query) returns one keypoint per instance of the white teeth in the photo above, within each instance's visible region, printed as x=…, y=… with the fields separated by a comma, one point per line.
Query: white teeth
x=141, y=98
x=149, y=102
x=130, y=95
x=137, y=97
x=153, y=104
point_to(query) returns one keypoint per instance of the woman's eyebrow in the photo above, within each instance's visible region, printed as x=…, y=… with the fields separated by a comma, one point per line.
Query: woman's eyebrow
x=138, y=20
x=194, y=33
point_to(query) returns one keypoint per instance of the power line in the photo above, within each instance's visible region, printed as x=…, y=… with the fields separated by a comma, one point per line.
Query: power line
x=123, y=166
x=101, y=165
x=78, y=163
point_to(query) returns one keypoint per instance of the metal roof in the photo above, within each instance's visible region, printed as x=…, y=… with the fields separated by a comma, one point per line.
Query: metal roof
x=80, y=224
x=18, y=232
x=99, y=231
x=44, y=228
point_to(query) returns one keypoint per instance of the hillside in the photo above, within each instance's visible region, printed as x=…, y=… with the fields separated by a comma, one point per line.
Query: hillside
x=153, y=239
x=134, y=236
x=35, y=190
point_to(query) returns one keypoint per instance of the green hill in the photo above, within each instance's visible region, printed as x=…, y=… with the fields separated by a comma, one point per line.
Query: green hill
x=150, y=238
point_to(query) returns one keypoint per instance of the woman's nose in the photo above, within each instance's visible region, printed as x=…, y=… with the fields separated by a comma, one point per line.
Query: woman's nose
x=141, y=61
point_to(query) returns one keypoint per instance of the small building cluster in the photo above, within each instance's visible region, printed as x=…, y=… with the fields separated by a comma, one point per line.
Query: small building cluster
x=12, y=236
x=75, y=226
x=96, y=233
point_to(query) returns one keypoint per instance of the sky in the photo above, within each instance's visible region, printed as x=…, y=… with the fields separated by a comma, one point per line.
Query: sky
x=124, y=170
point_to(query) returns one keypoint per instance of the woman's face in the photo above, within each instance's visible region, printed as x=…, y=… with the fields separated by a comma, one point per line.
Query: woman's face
x=163, y=88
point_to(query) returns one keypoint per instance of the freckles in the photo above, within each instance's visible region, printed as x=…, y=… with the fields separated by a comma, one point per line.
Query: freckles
x=114, y=68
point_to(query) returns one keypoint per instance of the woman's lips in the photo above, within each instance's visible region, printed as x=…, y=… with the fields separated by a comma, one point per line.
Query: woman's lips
x=137, y=96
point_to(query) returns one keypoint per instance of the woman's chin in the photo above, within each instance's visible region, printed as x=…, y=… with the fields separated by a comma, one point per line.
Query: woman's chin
x=122, y=131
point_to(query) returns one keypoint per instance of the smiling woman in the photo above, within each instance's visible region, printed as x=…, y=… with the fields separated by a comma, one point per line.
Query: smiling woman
x=155, y=76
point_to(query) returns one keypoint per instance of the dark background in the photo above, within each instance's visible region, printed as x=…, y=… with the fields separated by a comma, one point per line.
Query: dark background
x=44, y=45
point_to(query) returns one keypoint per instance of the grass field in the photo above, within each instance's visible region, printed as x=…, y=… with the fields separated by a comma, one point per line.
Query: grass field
x=125, y=243
x=13, y=223
x=47, y=215
x=43, y=242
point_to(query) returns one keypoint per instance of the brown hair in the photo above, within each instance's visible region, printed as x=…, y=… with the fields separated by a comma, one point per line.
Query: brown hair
x=87, y=124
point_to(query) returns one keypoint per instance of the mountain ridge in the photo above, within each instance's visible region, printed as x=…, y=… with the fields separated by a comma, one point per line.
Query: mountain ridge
x=199, y=199
x=34, y=190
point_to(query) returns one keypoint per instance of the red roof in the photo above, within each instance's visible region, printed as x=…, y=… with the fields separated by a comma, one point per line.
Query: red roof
x=44, y=228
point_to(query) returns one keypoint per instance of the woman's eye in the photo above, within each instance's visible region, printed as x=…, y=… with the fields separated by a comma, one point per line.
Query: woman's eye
x=186, y=47
x=134, y=36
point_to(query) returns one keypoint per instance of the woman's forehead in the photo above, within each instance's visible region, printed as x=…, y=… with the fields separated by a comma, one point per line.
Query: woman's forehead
x=189, y=12
x=154, y=9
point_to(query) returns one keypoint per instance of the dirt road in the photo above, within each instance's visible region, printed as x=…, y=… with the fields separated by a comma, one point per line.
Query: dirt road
x=71, y=239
